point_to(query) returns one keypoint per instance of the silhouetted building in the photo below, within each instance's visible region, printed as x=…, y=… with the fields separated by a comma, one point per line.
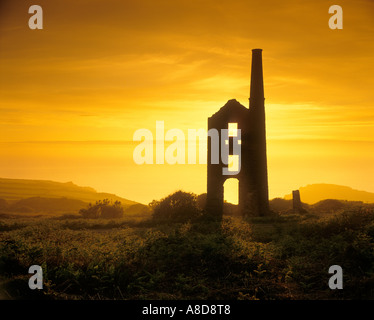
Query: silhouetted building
x=253, y=179
x=297, y=205
x=296, y=202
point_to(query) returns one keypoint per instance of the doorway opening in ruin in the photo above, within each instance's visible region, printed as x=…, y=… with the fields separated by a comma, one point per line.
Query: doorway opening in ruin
x=231, y=191
x=231, y=197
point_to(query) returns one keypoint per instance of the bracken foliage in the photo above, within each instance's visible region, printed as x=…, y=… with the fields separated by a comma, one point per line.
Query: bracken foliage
x=278, y=257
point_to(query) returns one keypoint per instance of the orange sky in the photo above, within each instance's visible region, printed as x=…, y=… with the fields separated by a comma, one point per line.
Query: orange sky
x=73, y=94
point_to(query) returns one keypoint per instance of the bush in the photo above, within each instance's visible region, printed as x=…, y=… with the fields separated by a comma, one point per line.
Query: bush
x=103, y=209
x=280, y=205
x=329, y=205
x=177, y=207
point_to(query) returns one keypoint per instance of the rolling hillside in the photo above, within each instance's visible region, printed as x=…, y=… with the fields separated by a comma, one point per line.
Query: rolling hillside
x=16, y=189
x=316, y=192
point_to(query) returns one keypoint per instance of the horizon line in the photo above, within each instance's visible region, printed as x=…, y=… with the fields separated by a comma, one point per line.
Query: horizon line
x=137, y=142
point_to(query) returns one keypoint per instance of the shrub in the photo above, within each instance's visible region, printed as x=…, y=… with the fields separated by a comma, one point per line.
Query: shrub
x=329, y=205
x=280, y=205
x=103, y=209
x=177, y=207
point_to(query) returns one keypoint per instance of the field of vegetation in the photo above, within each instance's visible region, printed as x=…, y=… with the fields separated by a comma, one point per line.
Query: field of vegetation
x=169, y=257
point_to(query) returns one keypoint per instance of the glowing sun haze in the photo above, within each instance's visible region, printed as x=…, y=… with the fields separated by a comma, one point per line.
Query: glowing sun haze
x=73, y=94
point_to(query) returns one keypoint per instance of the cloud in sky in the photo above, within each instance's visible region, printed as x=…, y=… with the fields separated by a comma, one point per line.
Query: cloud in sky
x=99, y=70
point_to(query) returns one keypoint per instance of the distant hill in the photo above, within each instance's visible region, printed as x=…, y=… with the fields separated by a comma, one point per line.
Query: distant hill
x=51, y=205
x=316, y=192
x=13, y=190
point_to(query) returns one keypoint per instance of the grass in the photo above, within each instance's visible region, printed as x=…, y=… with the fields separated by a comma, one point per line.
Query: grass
x=281, y=257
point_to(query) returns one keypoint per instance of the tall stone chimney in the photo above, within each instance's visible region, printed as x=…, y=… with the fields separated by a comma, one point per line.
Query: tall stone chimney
x=257, y=110
x=257, y=98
